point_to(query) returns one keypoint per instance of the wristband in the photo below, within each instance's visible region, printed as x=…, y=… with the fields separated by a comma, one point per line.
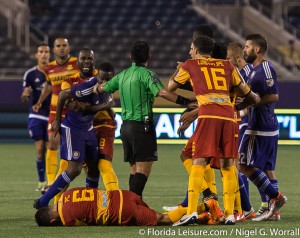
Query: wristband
x=182, y=100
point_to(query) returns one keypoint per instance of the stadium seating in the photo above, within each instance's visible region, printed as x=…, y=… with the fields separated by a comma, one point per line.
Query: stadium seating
x=110, y=27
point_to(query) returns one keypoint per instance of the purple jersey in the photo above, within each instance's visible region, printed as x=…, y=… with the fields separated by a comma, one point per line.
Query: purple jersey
x=262, y=119
x=83, y=93
x=245, y=72
x=36, y=79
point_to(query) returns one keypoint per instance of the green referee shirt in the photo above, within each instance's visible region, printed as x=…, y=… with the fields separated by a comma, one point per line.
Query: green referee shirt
x=138, y=86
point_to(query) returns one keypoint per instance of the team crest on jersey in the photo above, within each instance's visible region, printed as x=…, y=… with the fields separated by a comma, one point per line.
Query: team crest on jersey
x=270, y=82
x=78, y=93
x=76, y=154
x=252, y=75
x=70, y=67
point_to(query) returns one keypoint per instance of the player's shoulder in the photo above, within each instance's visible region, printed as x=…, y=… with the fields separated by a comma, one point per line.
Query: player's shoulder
x=30, y=71
x=72, y=59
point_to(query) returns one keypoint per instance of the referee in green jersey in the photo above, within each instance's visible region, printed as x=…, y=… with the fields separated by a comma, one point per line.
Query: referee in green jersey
x=138, y=86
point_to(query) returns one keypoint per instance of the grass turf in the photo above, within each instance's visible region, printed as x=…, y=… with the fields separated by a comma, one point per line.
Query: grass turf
x=166, y=186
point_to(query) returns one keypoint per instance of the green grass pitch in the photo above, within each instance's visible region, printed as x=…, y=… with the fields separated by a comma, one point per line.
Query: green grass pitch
x=166, y=186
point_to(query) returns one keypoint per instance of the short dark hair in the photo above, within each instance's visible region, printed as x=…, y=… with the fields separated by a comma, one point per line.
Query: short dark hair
x=140, y=52
x=260, y=41
x=204, y=44
x=43, y=218
x=106, y=67
x=204, y=30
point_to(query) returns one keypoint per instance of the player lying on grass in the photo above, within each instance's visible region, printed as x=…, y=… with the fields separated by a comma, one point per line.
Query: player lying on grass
x=94, y=207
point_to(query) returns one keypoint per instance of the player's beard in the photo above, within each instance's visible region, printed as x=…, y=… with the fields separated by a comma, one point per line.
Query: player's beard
x=251, y=57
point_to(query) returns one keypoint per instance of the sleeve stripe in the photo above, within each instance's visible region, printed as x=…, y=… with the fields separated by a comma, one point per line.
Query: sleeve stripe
x=87, y=91
x=267, y=70
x=247, y=69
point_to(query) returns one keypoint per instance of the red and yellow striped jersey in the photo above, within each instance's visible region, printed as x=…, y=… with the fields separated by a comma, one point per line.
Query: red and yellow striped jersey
x=84, y=206
x=211, y=80
x=56, y=74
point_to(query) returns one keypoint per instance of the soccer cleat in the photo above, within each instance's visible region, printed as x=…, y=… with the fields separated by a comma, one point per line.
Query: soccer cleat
x=187, y=220
x=36, y=204
x=275, y=217
x=262, y=210
x=275, y=204
x=40, y=186
x=262, y=217
x=169, y=209
x=45, y=188
x=214, y=209
x=229, y=220
x=239, y=217
x=251, y=214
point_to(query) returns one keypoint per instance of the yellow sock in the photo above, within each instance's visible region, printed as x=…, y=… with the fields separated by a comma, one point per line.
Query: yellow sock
x=195, y=184
x=237, y=200
x=57, y=196
x=176, y=214
x=51, y=165
x=209, y=175
x=108, y=174
x=204, y=185
x=230, y=184
x=63, y=165
x=188, y=165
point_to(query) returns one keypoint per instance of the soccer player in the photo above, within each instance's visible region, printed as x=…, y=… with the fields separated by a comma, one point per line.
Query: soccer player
x=93, y=207
x=33, y=81
x=258, y=149
x=212, y=80
x=56, y=72
x=189, y=116
x=235, y=56
x=138, y=87
x=78, y=140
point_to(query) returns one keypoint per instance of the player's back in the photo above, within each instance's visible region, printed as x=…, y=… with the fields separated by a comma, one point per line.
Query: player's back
x=211, y=80
x=83, y=206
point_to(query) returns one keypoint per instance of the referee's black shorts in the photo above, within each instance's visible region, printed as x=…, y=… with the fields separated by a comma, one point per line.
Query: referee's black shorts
x=138, y=145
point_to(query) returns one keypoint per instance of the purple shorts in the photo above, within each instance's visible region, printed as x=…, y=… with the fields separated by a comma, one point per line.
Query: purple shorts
x=38, y=129
x=259, y=151
x=77, y=145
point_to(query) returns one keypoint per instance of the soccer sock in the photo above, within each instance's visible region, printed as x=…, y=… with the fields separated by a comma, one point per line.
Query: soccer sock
x=59, y=184
x=91, y=182
x=63, y=165
x=138, y=183
x=274, y=182
x=108, y=174
x=51, y=165
x=209, y=175
x=263, y=197
x=245, y=181
x=130, y=179
x=245, y=202
x=195, y=184
x=230, y=185
x=176, y=214
x=237, y=200
x=40, y=166
x=261, y=181
x=185, y=202
x=188, y=163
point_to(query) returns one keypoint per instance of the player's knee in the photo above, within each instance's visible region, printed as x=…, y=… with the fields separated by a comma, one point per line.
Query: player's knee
x=74, y=169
